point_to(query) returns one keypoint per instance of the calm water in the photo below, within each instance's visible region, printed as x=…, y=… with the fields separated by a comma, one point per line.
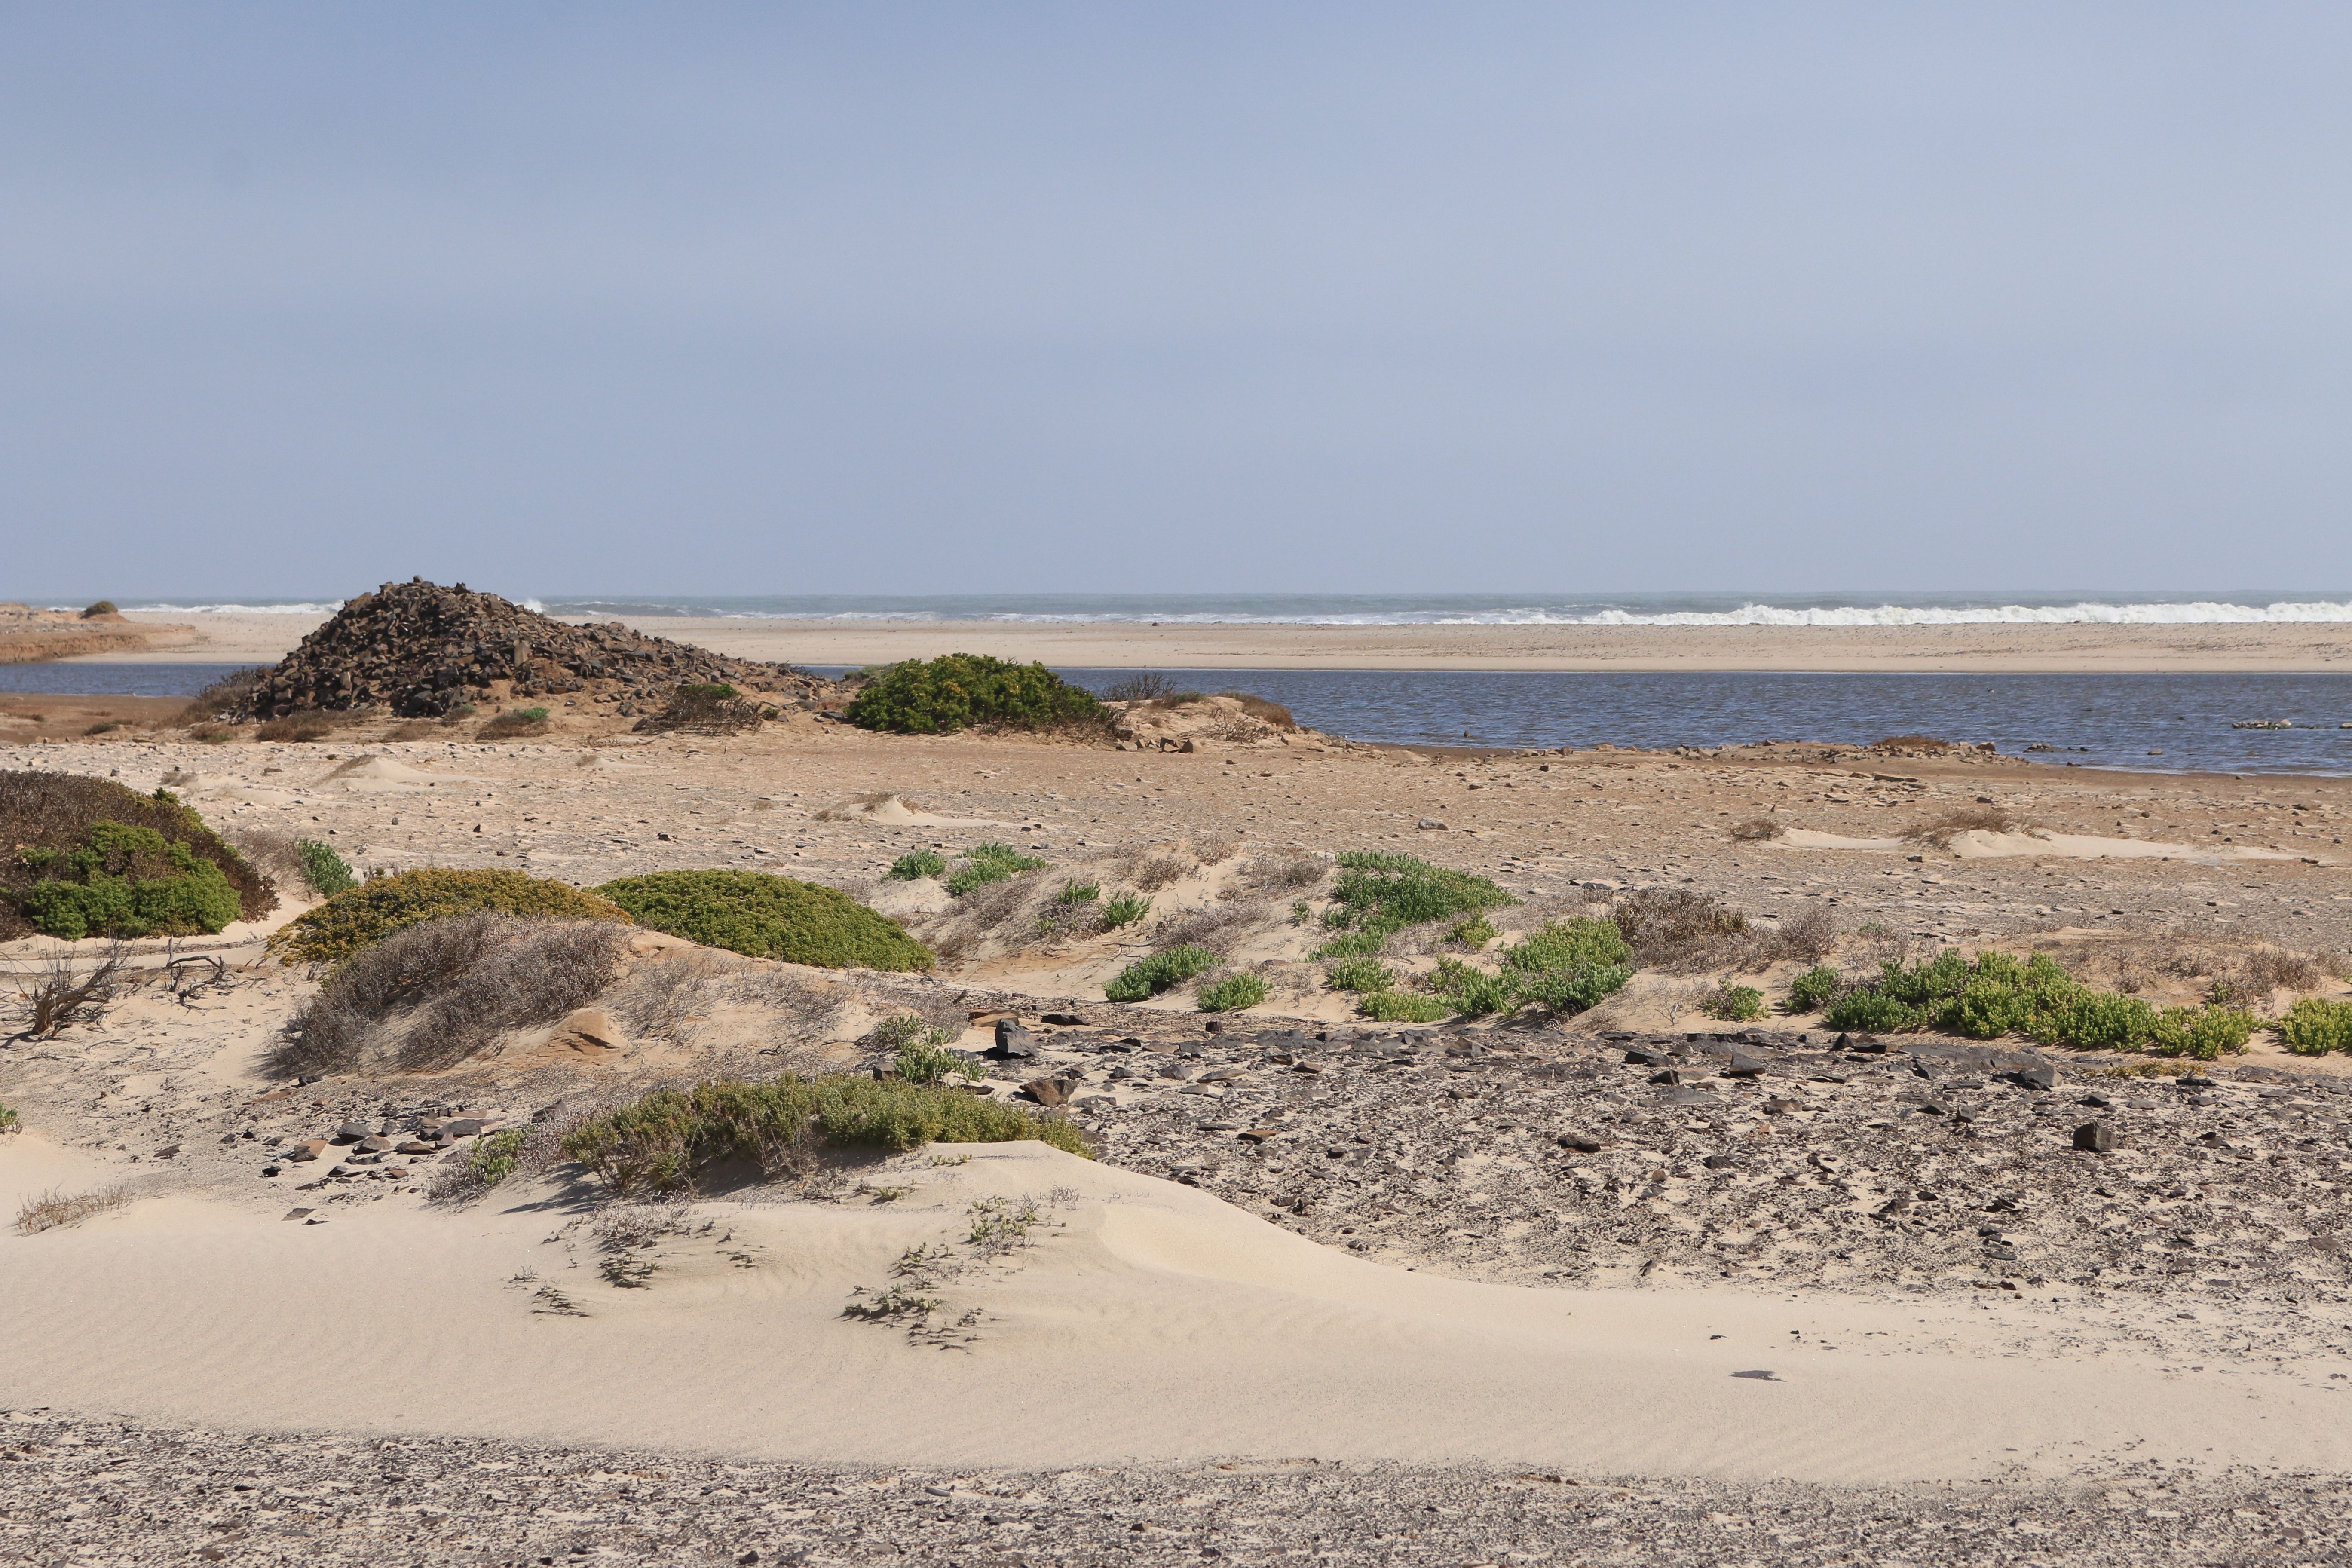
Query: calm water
x=2100, y=721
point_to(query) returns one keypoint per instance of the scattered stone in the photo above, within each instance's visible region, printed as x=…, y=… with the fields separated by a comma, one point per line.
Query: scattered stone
x=1013, y=1041
x=2095, y=1137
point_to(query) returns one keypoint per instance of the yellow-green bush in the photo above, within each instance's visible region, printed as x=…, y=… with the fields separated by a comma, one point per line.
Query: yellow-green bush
x=765, y=916
x=382, y=905
x=2313, y=1027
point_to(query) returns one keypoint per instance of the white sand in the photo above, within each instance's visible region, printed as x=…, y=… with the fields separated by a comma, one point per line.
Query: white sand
x=1157, y=1322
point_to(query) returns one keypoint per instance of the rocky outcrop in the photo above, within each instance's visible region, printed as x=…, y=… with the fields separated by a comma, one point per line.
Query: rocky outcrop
x=421, y=650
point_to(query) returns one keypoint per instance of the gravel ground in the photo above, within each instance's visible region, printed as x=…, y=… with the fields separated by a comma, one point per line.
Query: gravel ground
x=83, y=1491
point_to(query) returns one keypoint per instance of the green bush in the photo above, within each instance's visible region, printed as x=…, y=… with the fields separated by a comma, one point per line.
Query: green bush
x=1570, y=945
x=1476, y=931
x=494, y=1158
x=1079, y=893
x=918, y=863
x=327, y=872
x=661, y=1143
x=1815, y=989
x=1232, y=993
x=382, y=905
x=765, y=916
x=1734, y=1004
x=1358, y=975
x=125, y=882
x=956, y=690
x=1354, y=944
x=1379, y=889
x=1147, y=977
x=2313, y=1027
x=1402, y=1007
x=1996, y=994
x=986, y=863
x=1568, y=967
x=7, y=1120
x=1125, y=910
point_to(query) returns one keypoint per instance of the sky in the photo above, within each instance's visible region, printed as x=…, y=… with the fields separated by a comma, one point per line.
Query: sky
x=569, y=298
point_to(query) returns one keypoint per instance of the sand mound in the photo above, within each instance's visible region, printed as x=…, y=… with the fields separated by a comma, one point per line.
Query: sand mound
x=381, y=775
x=895, y=811
x=421, y=649
x=1105, y=1317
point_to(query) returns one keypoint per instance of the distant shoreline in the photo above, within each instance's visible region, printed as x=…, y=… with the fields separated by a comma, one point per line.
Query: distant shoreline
x=2302, y=648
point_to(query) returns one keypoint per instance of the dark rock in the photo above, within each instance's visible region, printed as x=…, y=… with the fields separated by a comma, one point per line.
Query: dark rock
x=2035, y=1078
x=373, y=1144
x=1669, y=1075
x=1065, y=1020
x=1013, y=1041
x=2095, y=1137
x=1260, y=1134
x=462, y=1127
x=1583, y=1143
x=1720, y=1162
x=1743, y=1066
x=1647, y=1058
x=351, y=1131
x=1048, y=1090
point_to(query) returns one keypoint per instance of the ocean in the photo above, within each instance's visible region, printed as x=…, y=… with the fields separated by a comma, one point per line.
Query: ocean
x=1838, y=609
x=2167, y=722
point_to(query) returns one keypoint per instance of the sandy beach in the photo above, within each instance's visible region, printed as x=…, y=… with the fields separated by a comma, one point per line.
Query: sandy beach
x=240, y=639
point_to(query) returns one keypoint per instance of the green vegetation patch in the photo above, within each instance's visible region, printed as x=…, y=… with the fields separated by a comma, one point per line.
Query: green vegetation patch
x=1567, y=966
x=1402, y=1007
x=124, y=881
x=1815, y=989
x=1125, y=910
x=1377, y=890
x=1147, y=977
x=2313, y=1027
x=1363, y=975
x=7, y=1120
x=1232, y=993
x=663, y=1142
x=1734, y=1004
x=327, y=872
x=382, y=905
x=986, y=863
x=765, y=916
x=957, y=691
x=1998, y=994
x=918, y=863
x=85, y=857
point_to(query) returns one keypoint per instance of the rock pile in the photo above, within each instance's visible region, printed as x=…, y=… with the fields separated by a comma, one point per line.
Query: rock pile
x=424, y=650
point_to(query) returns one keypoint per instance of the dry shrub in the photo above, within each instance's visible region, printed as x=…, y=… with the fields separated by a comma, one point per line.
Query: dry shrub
x=1218, y=851
x=431, y=995
x=1756, y=828
x=269, y=851
x=415, y=730
x=295, y=727
x=705, y=708
x=1281, y=871
x=662, y=996
x=1264, y=711
x=810, y=1007
x=1941, y=830
x=1809, y=936
x=2276, y=969
x=55, y=1209
x=231, y=694
x=1219, y=928
x=63, y=994
x=515, y=724
x=1679, y=930
x=1150, y=873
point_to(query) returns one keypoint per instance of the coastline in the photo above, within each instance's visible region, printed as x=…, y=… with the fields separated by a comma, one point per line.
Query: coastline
x=2306, y=648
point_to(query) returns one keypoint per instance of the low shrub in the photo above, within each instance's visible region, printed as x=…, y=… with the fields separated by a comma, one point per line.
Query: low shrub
x=1815, y=989
x=1568, y=967
x=496, y=1157
x=1125, y=910
x=1998, y=994
x=1377, y=890
x=662, y=1142
x=103, y=607
x=958, y=690
x=1079, y=893
x=1364, y=974
x=70, y=829
x=7, y=1120
x=928, y=1060
x=298, y=727
x=1734, y=1004
x=765, y=916
x=1137, y=688
x=231, y=695
x=327, y=872
x=1232, y=993
x=2313, y=1027
x=1941, y=830
x=1402, y=1007
x=125, y=882
x=918, y=863
x=431, y=995
x=55, y=1209
x=1354, y=944
x=1147, y=977
x=1756, y=829
x=382, y=905
x=706, y=707
x=1676, y=929
x=1472, y=930
x=513, y=724
x=986, y=863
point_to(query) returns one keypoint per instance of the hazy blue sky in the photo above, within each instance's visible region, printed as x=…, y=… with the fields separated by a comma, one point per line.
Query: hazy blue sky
x=861, y=298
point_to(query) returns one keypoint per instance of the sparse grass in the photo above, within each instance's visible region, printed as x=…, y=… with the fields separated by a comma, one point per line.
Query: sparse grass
x=918, y=863
x=706, y=707
x=83, y=856
x=514, y=725
x=1232, y=993
x=382, y=905
x=1147, y=977
x=1998, y=994
x=1264, y=711
x=431, y=995
x=1677, y=930
x=2313, y=1027
x=986, y=863
x=1360, y=975
x=1815, y=989
x=327, y=872
x=1734, y=1004
x=1402, y=1007
x=1942, y=829
x=763, y=915
x=1354, y=944
x=65, y=995
x=1219, y=928
x=1137, y=688
x=1124, y=910
x=1756, y=829
x=662, y=1142
x=55, y=1209
x=959, y=690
